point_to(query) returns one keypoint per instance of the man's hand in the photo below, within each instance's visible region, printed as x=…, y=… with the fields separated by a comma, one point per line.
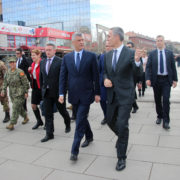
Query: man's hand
x=138, y=55
x=26, y=95
x=61, y=99
x=148, y=82
x=107, y=83
x=174, y=84
x=2, y=94
x=97, y=98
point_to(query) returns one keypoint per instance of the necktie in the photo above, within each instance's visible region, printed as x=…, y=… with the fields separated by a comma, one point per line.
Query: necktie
x=49, y=65
x=114, y=60
x=78, y=61
x=161, y=63
x=19, y=62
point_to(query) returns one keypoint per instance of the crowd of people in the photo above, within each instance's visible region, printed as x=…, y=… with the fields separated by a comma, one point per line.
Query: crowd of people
x=111, y=80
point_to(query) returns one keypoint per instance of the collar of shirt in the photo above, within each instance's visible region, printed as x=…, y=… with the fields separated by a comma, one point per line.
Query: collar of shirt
x=160, y=50
x=51, y=59
x=80, y=54
x=119, y=49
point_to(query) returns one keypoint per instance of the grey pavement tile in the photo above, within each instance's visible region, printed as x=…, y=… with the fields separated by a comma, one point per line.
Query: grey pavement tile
x=22, y=153
x=59, y=143
x=61, y=160
x=134, y=128
x=100, y=148
x=105, y=167
x=165, y=172
x=143, y=139
x=141, y=121
x=169, y=141
x=155, y=154
x=157, y=129
x=3, y=144
x=23, y=138
x=2, y=160
x=12, y=170
x=61, y=175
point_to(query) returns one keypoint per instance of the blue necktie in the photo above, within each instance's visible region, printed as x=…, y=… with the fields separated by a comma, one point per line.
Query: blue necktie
x=78, y=61
x=114, y=60
x=161, y=63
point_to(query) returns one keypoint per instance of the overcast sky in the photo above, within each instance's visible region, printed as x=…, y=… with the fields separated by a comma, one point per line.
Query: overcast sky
x=148, y=17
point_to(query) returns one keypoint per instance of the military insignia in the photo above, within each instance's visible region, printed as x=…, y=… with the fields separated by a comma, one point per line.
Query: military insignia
x=21, y=73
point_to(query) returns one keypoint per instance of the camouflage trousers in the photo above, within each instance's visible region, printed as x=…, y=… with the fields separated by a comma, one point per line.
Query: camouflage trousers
x=5, y=103
x=17, y=109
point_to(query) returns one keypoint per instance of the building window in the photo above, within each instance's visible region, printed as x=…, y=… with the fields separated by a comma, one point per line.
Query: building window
x=20, y=41
x=11, y=42
x=31, y=41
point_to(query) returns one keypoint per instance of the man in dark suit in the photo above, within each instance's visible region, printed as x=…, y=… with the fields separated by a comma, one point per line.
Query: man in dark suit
x=118, y=78
x=161, y=75
x=102, y=87
x=49, y=83
x=22, y=63
x=80, y=70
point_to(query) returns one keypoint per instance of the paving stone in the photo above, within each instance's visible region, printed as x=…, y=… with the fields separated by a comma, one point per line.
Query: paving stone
x=105, y=167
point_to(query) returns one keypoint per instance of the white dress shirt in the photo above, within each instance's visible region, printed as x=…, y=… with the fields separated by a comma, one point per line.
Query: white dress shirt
x=119, y=49
x=80, y=55
x=164, y=63
x=18, y=62
x=48, y=62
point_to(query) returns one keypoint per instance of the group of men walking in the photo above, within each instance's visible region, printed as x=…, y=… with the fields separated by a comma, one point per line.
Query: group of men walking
x=78, y=74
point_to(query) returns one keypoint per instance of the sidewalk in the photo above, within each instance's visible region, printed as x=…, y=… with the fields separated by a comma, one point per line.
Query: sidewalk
x=153, y=153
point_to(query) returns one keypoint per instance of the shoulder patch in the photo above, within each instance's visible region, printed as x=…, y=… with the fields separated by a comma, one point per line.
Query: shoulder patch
x=21, y=73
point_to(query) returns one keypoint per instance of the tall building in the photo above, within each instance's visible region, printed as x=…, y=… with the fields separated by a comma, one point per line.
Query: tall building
x=68, y=15
x=1, y=16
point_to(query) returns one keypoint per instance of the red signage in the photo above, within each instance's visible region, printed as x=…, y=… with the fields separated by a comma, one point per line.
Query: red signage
x=50, y=32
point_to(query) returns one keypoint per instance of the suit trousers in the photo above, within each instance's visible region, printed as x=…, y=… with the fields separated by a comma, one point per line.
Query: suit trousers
x=162, y=91
x=82, y=126
x=49, y=115
x=120, y=126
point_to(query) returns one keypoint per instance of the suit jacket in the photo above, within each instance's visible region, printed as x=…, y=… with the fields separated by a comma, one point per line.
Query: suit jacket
x=82, y=85
x=51, y=79
x=152, y=67
x=122, y=79
x=24, y=66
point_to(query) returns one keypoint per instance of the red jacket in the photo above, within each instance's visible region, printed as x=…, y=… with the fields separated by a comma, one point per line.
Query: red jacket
x=37, y=73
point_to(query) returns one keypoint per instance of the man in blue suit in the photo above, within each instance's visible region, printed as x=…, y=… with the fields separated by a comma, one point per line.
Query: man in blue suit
x=102, y=87
x=161, y=75
x=79, y=71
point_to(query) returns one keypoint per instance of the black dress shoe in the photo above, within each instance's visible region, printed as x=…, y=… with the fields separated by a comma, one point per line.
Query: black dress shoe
x=37, y=125
x=135, y=110
x=67, y=129
x=158, y=121
x=86, y=142
x=121, y=164
x=73, y=157
x=47, y=138
x=104, y=121
x=166, y=126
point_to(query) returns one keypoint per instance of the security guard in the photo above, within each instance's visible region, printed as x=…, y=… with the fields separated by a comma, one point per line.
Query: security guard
x=18, y=89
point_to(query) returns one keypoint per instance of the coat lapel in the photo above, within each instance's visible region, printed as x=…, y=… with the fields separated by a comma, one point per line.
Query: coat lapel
x=109, y=61
x=167, y=59
x=82, y=60
x=121, y=58
x=156, y=60
x=72, y=62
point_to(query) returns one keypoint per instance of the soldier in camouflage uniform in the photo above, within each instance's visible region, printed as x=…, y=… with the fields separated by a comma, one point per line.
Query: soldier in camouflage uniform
x=4, y=100
x=18, y=89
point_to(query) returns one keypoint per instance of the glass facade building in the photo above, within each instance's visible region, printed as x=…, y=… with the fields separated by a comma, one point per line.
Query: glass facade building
x=68, y=15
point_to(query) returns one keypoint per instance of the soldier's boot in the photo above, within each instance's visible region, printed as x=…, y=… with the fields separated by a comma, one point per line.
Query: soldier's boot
x=7, y=117
x=26, y=119
x=10, y=126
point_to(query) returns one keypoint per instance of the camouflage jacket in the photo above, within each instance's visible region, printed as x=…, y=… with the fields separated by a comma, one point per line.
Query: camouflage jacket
x=17, y=82
x=2, y=73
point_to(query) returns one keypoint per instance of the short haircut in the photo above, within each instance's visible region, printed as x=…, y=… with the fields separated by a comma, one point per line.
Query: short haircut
x=52, y=45
x=36, y=51
x=19, y=49
x=160, y=36
x=77, y=34
x=130, y=42
x=118, y=31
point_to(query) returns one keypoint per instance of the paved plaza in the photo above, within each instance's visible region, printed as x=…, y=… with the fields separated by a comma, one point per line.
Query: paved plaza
x=153, y=153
